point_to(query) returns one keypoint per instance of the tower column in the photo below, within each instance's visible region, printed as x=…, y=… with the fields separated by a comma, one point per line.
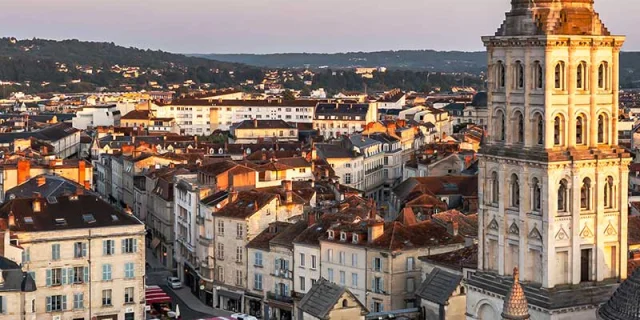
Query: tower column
x=548, y=98
x=593, y=87
x=615, y=90
x=574, y=206
x=570, y=79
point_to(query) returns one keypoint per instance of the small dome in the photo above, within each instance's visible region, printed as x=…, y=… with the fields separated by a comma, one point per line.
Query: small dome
x=480, y=99
x=515, y=303
x=624, y=304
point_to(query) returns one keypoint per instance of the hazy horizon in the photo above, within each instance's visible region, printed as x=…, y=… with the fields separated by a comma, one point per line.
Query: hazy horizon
x=280, y=26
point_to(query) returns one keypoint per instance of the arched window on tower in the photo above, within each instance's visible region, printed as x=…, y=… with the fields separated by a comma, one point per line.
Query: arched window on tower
x=585, y=194
x=495, y=188
x=558, y=130
x=500, y=75
x=581, y=76
x=515, y=191
x=563, y=193
x=608, y=193
x=559, y=76
x=500, y=126
x=520, y=127
x=519, y=75
x=536, y=203
x=602, y=128
x=603, y=76
x=538, y=75
x=581, y=130
x=539, y=123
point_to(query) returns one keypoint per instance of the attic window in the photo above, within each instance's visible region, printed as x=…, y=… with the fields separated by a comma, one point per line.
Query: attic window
x=52, y=199
x=330, y=234
x=343, y=236
x=88, y=218
x=61, y=222
x=73, y=198
x=28, y=220
x=355, y=238
x=114, y=217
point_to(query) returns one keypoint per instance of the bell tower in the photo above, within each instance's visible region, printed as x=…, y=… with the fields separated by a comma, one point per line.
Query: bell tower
x=552, y=181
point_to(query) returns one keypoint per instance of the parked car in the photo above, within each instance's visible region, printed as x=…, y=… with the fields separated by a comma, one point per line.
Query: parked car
x=174, y=283
x=242, y=316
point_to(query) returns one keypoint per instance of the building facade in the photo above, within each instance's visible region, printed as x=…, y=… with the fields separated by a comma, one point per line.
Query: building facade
x=553, y=181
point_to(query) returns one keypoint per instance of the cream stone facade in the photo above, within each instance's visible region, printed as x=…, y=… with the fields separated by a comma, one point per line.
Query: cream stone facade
x=553, y=181
x=344, y=264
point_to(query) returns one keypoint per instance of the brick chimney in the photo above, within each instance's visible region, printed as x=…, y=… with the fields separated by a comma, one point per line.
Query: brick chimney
x=24, y=170
x=376, y=229
x=233, y=195
x=255, y=123
x=81, y=172
x=41, y=180
x=288, y=189
x=12, y=220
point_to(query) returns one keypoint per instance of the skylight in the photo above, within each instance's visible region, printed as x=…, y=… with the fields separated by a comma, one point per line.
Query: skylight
x=88, y=218
x=61, y=222
x=28, y=220
x=52, y=199
x=114, y=217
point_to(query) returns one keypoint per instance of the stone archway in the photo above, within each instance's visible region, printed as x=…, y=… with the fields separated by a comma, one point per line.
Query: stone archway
x=487, y=312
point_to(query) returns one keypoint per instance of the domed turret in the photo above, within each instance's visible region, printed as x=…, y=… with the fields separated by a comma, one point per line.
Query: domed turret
x=515, y=303
x=625, y=302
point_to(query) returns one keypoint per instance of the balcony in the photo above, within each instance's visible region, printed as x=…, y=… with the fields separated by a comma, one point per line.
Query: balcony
x=279, y=297
x=282, y=273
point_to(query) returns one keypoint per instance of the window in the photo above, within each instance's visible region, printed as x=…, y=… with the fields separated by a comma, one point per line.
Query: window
x=56, y=303
x=355, y=237
x=539, y=128
x=26, y=255
x=602, y=128
x=603, y=76
x=220, y=252
x=377, y=307
x=330, y=255
x=257, y=281
x=410, y=264
x=220, y=274
x=608, y=193
x=354, y=280
x=519, y=75
x=354, y=260
x=257, y=259
x=239, y=278
x=106, y=297
x=562, y=196
x=330, y=234
x=495, y=188
x=302, y=284
x=55, y=277
x=128, y=295
x=581, y=76
x=378, y=285
x=347, y=178
x=78, y=300
x=585, y=194
x=79, y=250
x=55, y=251
x=559, y=76
x=500, y=126
x=330, y=274
x=108, y=247
x=313, y=262
x=538, y=74
x=377, y=264
x=221, y=228
x=341, y=257
x=106, y=272
x=411, y=285
x=239, y=254
x=342, y=278
x=129, y=270
x=239, y=231
x=79, y=275
x=515, y=191
x=343, y=236
x=558, y=130
x=581, y=130
x=536, y=203
x=500, y=75
x=302, y=262
x=520, y=127
x=129, y=245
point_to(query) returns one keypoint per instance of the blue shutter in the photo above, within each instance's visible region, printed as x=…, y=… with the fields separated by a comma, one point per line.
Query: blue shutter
x=135, y=245
x=84, y=249
x=104, y=268
x=70, y=275
x=48, y=303
x=124, y=245
x=86, y=274
x=64, y=302
x=286, y=290
x=64, y=276
x=104, y=247
x=113, y=246
x=48, y=277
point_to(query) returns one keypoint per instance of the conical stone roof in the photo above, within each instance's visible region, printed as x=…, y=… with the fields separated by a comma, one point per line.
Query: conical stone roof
x=515, y=302
x=624, y=304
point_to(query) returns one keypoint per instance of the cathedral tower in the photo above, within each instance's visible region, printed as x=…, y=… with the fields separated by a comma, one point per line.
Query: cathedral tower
x=552, y=181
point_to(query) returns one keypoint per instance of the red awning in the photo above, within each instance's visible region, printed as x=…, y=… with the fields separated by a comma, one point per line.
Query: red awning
x=155, y=294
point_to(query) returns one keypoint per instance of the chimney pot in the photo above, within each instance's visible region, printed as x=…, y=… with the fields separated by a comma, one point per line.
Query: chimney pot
x=41, y=180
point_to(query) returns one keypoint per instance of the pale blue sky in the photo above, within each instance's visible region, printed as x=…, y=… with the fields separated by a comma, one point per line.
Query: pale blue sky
x=265, y=26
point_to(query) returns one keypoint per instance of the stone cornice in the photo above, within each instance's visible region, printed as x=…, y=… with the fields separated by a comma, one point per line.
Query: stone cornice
x=594, y=42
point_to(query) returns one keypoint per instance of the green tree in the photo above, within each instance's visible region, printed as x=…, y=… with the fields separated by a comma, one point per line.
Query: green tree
x=287, y=95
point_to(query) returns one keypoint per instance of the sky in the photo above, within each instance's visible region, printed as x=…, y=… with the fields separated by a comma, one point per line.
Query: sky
x=272, y=26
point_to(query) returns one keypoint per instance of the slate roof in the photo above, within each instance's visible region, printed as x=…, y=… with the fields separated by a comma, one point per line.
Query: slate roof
x=51, y=133
x=321, y=298
x=246, y=204
x=466, y=257
x=264, y=124
x=349, y=110
x=54, y=186
x=625, y=302
x=439, y=286
x=633, y=234
x=14, y=278
x=286, y=237
x=335, y=151
x=67, y=208
x=261, y=241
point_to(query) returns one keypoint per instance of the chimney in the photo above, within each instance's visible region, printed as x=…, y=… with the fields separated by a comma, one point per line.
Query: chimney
x=311, y=219
x=233, y=195
x=36, y=204
x=264, y=156
x=454, y=227
x=24, y=170
x=376, y=229
x=41, y=180
x=255, y=123
x=288, y=189
x=12, y=219
x=81, y=171
x=87, y=184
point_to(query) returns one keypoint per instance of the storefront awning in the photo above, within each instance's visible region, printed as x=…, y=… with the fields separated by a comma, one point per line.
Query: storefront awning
x=229, y=294
x=155, y=242
x=155, y=294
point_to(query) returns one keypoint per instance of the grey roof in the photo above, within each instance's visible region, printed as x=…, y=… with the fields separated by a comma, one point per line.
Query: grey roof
x=625, y=302
x=346, y=111
x=321, y=298
x=54, y=186
x=51, y=133
x=327, y=150
x=362, y=141
x=480, y=100
x=14, y=279
x=439, y=286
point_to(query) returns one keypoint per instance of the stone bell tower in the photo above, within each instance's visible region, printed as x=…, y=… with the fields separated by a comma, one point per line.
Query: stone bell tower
x=552, y=181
